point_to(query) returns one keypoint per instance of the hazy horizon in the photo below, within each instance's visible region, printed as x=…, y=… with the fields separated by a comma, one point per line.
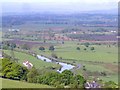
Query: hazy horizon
x=55, y=6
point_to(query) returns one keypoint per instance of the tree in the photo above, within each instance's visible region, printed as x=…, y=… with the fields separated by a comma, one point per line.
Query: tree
x=86, y=44
x=80, y=80
x=63, y=42
x=7, y=43
x=51, y=48
x=92, y=48
x=25, y=46
x=84, y=68
x=85, y=49
x=54, y=55
x=31, y=76
x=66, y=77
x=12, y=70
x=110, y=84
x=13, y=45
x=5, y=47
x=42, y=48
x=78, y=48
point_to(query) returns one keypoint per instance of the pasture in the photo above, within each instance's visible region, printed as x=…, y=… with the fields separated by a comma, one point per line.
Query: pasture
x=102, y=53
x=39, y=64
x=102, y=59
x=6, y=83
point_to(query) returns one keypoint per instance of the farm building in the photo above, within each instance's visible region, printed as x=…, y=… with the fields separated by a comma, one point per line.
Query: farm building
x=28, y=64
x=14, y=30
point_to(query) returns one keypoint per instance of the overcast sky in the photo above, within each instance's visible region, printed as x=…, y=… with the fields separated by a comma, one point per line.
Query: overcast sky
x=57, y=5
x=58, y=1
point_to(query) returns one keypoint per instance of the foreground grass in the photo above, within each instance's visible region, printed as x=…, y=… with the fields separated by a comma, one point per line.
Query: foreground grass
x=6, y=83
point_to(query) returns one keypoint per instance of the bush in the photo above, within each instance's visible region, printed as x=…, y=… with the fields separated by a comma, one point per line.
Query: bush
x=86, y=44
x=78, y=48
x=42, y=48
x=12, y=70
x=51, y=48
x=85, y=49
x=25, y=46
x=54, y=55
x=92, y=48
x=31, y=76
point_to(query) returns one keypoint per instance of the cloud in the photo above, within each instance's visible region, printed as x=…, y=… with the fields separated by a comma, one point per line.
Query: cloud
x=62, y=1
x=58, y=5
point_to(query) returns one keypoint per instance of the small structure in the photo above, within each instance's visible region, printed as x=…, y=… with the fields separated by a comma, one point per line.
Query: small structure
x=92, y=84
x=1, y=56
x=28, y=64
x=14, y=30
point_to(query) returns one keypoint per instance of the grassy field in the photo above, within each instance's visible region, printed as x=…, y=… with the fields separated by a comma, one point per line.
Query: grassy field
x=6, y=83
x=102, y=53
x=36, y=62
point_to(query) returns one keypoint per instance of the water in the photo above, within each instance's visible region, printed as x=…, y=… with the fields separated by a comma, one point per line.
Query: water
x=65, y=66
x=43, y=58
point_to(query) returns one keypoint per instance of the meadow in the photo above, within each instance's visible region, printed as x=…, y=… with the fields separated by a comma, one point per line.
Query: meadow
x=39, y=64
x=102, y=59
x=6, y=83
x=102, y=53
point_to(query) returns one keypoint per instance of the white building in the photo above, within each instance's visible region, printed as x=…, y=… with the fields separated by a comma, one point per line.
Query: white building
x=28, y=64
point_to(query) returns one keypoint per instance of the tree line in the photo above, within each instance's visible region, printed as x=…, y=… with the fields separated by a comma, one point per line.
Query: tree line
x=13, y=70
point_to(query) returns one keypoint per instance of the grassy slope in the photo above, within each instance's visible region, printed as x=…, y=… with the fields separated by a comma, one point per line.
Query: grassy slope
x=6, y=83
x=36, y=62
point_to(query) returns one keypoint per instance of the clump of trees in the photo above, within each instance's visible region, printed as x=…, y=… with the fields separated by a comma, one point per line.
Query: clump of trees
x=13, y=70
x=54, y=55
x=59, y=80
x=25, y=47
x=52, y=48
x=85, y=49
x=87, y=44
x=42, y=48
x=7, y=45
x=32, y=75
x=78, y=48
x=110, y=84
x=92, y=48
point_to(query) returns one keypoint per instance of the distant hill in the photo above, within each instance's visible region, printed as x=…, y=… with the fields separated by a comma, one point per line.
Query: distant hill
x=109, y=11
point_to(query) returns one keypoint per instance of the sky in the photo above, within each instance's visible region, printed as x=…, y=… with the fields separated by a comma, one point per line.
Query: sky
x=88, y=1
x=57, y=5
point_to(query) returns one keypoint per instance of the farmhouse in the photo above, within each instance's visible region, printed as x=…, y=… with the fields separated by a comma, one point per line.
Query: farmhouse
x=28, y=64
x=14, y=30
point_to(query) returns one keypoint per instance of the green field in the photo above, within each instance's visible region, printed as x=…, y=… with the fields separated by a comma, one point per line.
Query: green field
x=36, y=62
x=6, y=83
x=68, y=51
x=102, y=59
